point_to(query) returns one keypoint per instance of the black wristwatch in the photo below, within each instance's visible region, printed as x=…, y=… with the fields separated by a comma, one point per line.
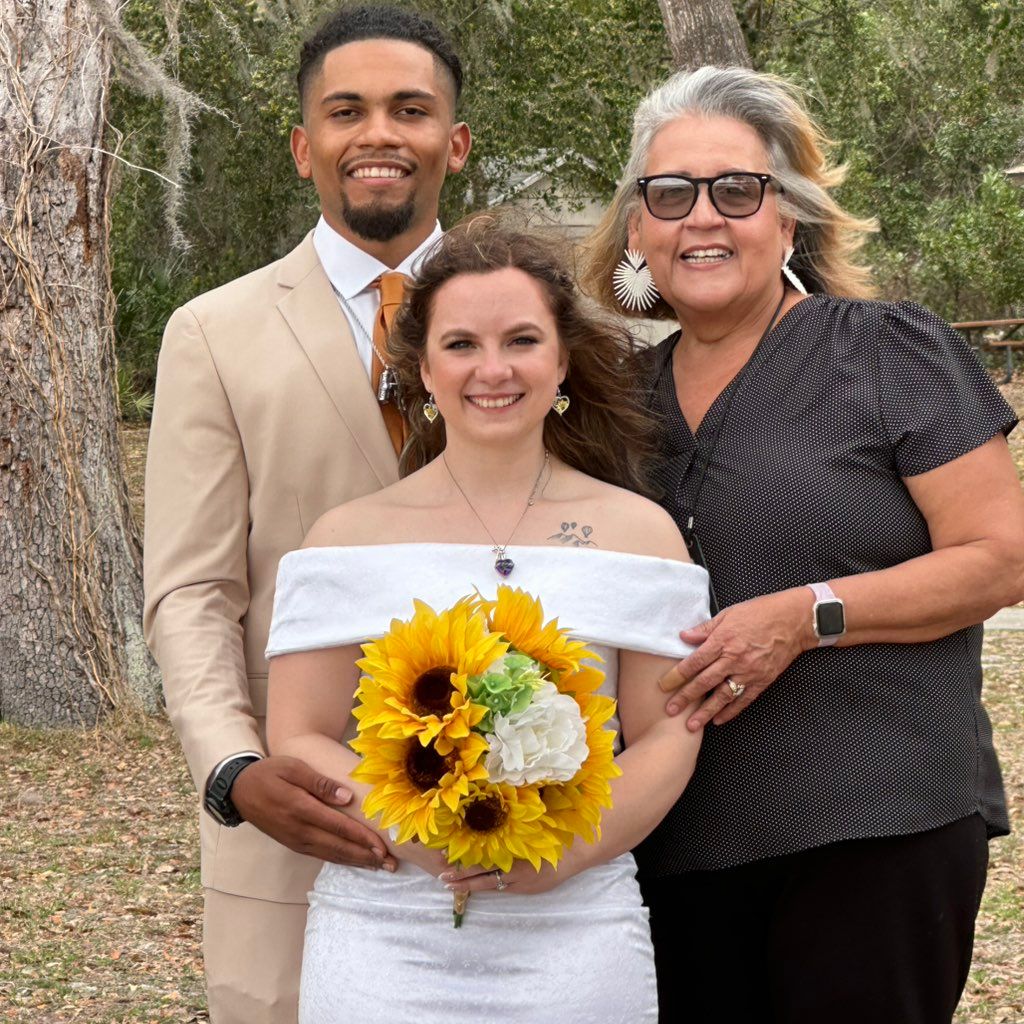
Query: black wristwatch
x=217, y=799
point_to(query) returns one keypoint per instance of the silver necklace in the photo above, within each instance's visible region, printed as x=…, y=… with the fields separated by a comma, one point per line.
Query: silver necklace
x=503, y=565
x=387, y=388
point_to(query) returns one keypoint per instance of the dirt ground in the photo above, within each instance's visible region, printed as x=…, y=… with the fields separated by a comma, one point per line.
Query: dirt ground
x=99, y=869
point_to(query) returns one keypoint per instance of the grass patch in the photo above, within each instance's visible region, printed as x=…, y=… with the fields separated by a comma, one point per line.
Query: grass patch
x=100, y=900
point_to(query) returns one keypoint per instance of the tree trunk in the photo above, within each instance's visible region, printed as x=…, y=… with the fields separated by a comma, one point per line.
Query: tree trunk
x=704, y=32
x=71, y=643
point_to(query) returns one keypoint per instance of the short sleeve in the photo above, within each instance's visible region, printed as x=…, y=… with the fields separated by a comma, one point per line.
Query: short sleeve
x=936, y=400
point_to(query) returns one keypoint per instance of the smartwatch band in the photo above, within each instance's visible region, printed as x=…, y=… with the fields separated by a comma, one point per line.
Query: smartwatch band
x=217, y=799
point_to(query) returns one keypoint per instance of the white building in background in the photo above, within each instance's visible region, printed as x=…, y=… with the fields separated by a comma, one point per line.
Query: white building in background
x=547, y=205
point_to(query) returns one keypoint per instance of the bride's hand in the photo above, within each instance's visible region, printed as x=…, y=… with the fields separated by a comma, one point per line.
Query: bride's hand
x=522, y=879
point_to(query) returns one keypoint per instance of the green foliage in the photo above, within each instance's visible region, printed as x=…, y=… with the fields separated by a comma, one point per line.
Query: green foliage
x=133, y=405
x=971, y=252
x=925, y=102
x=243, y=204
x=560, y=79
x=537, y=88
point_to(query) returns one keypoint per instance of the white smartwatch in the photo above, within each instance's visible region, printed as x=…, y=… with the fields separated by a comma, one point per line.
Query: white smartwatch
x=828, y=615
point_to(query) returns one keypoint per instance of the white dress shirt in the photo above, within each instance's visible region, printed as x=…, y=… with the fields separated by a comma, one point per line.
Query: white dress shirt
x=352, y=272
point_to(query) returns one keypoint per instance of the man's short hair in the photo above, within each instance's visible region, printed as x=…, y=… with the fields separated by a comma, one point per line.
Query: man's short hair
x=377, y=21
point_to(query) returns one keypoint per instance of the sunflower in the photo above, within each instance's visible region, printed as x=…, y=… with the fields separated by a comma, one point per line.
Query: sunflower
x=415, y=677
x=496, y=824
x=574, y=807
x=411, y=781
x=520, y=617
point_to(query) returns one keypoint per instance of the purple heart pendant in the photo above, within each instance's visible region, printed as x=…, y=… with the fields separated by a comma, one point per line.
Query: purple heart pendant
x=504, y=566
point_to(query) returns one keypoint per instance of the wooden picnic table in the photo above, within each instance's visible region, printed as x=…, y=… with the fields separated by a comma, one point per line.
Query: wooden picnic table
x=1006, y=342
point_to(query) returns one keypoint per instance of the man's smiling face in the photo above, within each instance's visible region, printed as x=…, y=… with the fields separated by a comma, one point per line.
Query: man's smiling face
x=378, y=139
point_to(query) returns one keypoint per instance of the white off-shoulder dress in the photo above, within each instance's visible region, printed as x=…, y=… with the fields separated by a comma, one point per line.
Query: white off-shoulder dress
x=380, y=947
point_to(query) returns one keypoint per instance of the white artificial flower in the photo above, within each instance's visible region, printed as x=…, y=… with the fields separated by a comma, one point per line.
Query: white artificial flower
x=547, y=742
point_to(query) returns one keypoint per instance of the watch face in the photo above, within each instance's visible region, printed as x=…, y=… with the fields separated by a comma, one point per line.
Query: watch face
x=830, y=618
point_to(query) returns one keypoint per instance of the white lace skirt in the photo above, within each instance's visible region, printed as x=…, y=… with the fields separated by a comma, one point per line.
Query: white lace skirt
x=381, y=948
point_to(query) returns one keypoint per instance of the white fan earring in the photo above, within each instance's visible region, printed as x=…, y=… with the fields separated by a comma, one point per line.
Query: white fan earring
x=632, y=282
x=790, y=274
x=430, y=409
x=561, y=402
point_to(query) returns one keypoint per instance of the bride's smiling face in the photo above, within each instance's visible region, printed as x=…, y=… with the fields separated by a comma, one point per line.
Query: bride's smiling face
x=493, y=359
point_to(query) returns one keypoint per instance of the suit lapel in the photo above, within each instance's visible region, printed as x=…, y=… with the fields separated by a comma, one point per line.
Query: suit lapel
x=311, y=310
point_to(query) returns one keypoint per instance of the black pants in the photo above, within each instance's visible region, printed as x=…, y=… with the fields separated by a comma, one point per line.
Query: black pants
x=870, y=931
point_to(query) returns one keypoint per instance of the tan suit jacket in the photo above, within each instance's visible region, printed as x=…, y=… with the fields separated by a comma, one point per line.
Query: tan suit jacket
x=264, y=418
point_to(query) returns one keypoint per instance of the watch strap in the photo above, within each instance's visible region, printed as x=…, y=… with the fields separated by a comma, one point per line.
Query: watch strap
x=253, y=755
x=824, y=594
x=218, y=790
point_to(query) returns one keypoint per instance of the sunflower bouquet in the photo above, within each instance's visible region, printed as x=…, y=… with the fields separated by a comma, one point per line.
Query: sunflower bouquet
x=481, y=733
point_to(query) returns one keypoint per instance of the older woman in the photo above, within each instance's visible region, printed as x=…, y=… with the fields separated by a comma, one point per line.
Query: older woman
x=839, y=466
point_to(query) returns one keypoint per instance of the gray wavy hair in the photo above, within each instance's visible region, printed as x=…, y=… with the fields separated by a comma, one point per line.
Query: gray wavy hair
x=827, y=237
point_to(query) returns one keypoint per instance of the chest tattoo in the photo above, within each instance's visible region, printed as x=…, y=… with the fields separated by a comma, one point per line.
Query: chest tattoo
x=575, y=535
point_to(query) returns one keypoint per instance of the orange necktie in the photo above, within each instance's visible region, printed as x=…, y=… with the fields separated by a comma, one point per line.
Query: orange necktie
x=392, y=291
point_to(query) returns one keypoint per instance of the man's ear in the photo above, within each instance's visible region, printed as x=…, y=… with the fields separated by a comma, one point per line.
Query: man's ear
x=300, y=152
x=460, y=142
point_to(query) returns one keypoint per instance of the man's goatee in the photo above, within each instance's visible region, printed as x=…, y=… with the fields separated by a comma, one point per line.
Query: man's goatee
x=378, y=223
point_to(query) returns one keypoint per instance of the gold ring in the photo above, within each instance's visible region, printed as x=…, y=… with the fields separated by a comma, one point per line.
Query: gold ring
x=736, y=689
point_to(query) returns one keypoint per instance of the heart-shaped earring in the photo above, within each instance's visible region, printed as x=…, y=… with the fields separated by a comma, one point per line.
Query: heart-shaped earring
x=430, y=409
x=561, y=402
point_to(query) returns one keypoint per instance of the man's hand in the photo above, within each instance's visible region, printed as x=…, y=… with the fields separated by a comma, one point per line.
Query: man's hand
x=301, y=809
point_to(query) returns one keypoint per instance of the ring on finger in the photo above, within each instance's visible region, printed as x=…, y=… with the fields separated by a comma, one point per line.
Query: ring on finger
x=499, y=881
x=736, y=689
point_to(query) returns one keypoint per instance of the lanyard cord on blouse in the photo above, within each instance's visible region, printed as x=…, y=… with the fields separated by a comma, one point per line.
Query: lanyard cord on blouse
x=690, y=527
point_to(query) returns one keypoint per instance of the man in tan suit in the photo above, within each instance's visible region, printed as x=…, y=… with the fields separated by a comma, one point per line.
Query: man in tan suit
x=265, y=417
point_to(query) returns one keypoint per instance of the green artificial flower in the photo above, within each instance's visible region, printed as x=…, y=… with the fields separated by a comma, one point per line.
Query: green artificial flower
x=507, y=687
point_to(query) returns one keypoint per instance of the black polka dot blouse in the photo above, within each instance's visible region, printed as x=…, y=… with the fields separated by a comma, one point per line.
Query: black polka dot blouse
x=841, y=400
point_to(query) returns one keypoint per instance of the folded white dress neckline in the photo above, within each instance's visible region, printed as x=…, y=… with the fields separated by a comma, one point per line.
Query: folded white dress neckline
x=332, y=596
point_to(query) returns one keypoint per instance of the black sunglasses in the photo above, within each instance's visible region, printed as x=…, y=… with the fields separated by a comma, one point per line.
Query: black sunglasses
x=673, y=196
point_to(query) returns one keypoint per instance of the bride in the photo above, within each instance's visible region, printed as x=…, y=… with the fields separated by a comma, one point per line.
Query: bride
x=506, y=474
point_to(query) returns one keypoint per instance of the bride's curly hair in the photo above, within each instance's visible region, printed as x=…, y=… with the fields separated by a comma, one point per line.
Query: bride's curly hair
x=607, y=431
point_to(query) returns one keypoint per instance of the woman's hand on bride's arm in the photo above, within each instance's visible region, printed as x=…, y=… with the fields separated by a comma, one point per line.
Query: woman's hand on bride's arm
x=750, y=644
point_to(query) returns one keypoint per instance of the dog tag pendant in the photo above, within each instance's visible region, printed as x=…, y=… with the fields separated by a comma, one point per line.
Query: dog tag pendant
x=387, y=388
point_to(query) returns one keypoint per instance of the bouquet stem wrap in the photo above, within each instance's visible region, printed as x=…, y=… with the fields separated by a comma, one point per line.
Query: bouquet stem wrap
x=459, y=907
